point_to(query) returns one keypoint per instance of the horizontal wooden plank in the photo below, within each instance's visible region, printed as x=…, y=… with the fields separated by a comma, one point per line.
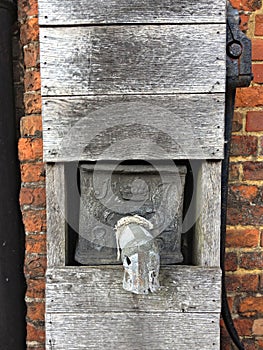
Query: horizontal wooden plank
x=136, y=331
x=133, y=59
x=99, y=289
x=134, y=127
x=75, y=12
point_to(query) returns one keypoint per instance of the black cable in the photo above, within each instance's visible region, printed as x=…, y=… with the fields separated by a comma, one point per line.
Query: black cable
x=225, y=312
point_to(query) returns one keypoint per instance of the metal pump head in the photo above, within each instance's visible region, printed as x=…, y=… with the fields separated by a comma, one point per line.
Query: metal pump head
x=139, y=254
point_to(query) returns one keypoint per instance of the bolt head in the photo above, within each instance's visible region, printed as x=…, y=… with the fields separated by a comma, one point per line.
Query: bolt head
x=234, y=49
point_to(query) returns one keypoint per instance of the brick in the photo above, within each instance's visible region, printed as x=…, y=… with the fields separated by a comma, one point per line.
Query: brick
x=39, y=196
x=35, y=266
x=35, y=334
x=249, y=97
x=244, y=145
x=247, y=5
x=249, y=344
x=242, y=283
x=27, y=8
x=237, y=121
x=30, y=149
x=244, y=215
x=260, y=343
x=242, y=238
x=253, y=170
x=32, y=103
x=26, y=196
x=243, y=193
x=31, y=55
x=32, y=172
x=258, y=327
x=29, y=31
x=231, y=262
x=259, y=25
x=243, y=326
x=257, y=49
x=244, y=20
x=251, y=260
x=261, y=145
x=258, y=73
x=35, y=311
x=250, y=306
x=36, y=243
x=254, y=121
x=33, y=196
x=225, y=341
x=31, y=126
x=234, y=172
x=35, y=288
x=32, y=80
x=34, y=220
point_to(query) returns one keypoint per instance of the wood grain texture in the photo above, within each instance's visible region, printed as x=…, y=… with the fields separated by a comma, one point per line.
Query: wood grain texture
x=133, y=59
x=56, y=224
x=99, y=289
x=55, y=12
x=207, y=231
x=132, y=330
x=133, y=127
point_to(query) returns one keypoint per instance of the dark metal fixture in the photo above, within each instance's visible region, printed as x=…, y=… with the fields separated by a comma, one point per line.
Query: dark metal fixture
x=238, y=75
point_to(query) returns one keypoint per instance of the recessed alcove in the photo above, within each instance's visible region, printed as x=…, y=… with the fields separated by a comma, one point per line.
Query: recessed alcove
x=73, y=195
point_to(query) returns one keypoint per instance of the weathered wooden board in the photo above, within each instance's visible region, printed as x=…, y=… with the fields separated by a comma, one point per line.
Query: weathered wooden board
x=99, y=289
x=208, y=220
x=56, y=218
x=133, y=330
x=76, y=12
x=133, y=59
x=134, y=127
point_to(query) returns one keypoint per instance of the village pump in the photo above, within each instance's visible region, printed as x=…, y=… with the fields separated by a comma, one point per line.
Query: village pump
x=134, y=96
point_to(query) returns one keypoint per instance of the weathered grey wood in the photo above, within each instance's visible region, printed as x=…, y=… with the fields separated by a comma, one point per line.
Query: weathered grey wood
x=55, y=12
x=56, y=224
x=99, y=289
x=136, y=127
x=134, y=330
x=133, y=59
x=207, y=231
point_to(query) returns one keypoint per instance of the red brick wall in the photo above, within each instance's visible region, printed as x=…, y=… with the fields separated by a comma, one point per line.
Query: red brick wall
x=244, y=258
x=32, y=195
x=244, y=252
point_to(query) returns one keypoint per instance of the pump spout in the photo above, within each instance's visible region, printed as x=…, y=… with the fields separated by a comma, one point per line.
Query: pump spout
x=139, y=254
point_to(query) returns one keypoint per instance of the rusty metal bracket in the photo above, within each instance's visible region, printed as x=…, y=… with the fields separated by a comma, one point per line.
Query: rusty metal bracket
x=238, y=50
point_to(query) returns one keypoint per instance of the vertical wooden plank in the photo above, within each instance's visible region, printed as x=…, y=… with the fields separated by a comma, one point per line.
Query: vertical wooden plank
x=208, y=215
x=56, y=223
